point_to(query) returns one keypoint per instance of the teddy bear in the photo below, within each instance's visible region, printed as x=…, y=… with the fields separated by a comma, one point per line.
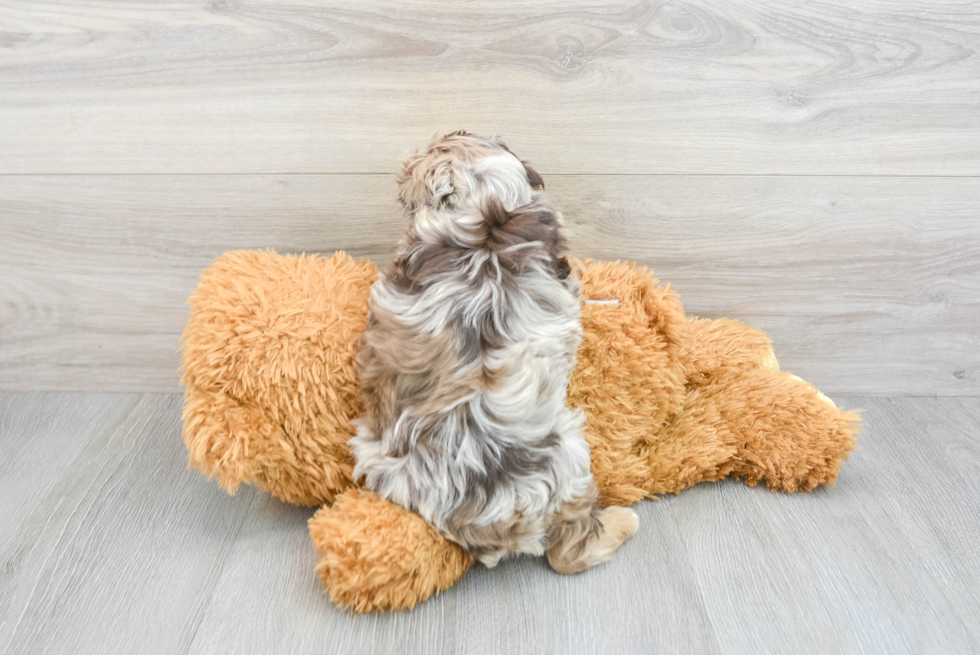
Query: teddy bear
x=268, y=366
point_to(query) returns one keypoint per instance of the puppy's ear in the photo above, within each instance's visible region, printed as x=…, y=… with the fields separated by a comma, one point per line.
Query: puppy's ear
x=424, y=179
x=532, y=175
x=533, y=178
x=564, y=268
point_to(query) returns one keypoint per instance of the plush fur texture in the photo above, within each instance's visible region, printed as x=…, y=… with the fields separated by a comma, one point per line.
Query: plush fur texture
x=269, y=374
x=416, y=561
x=670, y=401
x=472, y=334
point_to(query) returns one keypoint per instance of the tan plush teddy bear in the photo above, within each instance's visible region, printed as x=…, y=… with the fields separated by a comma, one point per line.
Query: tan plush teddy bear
x=671, y=400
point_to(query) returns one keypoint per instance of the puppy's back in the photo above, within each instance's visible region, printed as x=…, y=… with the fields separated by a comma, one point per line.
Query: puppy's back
x=464, y=368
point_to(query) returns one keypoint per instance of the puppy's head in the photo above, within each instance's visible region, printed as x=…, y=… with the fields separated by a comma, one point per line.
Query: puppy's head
x=459, y=169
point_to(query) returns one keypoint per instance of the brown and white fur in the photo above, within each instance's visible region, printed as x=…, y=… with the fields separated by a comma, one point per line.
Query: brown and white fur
x=463, y=370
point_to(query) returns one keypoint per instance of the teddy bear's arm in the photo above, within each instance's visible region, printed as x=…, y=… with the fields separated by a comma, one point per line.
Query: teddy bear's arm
x=375, y=555
x=229, y=441
x=237, y=443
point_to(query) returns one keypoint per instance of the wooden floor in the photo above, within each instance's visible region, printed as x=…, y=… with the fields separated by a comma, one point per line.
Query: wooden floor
x=110, y=546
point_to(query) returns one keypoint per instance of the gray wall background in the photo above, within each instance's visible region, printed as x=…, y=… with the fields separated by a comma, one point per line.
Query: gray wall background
x=808, y=168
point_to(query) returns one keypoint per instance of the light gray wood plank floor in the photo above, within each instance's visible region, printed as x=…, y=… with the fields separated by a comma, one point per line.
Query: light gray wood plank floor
x=109, y=545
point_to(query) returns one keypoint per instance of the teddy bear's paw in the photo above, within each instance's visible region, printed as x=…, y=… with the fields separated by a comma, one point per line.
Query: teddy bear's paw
x=820, y=395
x=770, y=362
x=376, y=555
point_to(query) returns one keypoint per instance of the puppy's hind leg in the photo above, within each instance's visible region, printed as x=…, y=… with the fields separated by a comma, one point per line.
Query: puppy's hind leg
x=584, y=534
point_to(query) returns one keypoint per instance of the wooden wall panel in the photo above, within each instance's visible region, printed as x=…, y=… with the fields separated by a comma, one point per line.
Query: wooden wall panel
x=577, y=86
x=867, y=285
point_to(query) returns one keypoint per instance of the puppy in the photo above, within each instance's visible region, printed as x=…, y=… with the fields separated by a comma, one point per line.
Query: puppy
x=472, y=334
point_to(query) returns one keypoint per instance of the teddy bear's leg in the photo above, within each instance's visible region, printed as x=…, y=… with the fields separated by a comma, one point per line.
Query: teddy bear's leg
x=695, y=446
x=376, y=555
x=760, y=425
x=784, y=431
x=724, y=343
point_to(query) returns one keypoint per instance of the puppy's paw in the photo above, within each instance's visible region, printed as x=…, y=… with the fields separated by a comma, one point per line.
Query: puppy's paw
x=618, y=525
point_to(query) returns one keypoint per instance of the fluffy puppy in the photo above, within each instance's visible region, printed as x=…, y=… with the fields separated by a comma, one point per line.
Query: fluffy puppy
x=463, y=370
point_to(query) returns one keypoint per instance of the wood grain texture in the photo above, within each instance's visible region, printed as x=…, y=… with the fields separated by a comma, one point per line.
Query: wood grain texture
x=874, y=565
x=58, y=427
x=866, y=284
x=521, y=606
x=581, y=86
x=128, y=552
x=121, y=555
